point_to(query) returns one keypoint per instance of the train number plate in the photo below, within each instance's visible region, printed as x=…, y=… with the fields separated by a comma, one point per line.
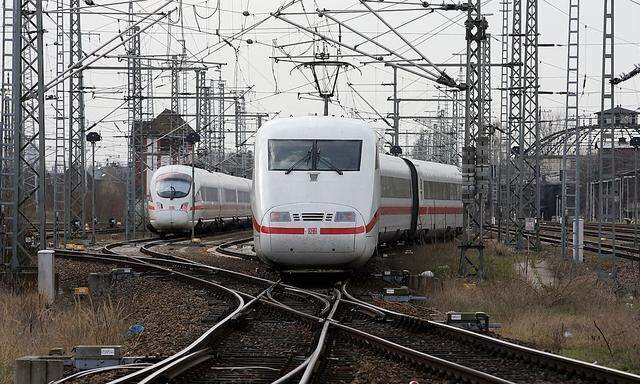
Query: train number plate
x=312, y=231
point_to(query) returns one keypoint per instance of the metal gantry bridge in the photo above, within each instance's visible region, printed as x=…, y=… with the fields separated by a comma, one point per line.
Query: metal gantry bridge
x=500, y=160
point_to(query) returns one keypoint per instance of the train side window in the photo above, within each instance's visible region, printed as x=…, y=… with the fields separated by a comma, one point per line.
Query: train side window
x=212, y=195
x=243, y=197
x=230, y=195
x=395, y=187
x=442, y=191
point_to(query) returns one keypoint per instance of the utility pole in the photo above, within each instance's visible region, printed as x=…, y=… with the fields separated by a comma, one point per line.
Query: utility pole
x=27, y=96
x=607, y=103
x=529, y=154
x=503, y=156
x=60, y=223
x=635, y=143
x=192, y=138
x=93, y=138
x=514, y=166
x=570, y=205
x=474, y=158
x=76, y=176
x=396, y=109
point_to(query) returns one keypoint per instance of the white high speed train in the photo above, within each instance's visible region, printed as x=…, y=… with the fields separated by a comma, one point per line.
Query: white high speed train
x=219, y=198
x=324, y=197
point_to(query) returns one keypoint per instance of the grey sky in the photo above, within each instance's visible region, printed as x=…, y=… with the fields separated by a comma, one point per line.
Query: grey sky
x=440, y=36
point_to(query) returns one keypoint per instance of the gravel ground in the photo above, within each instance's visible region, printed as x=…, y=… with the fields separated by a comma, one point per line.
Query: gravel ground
x=352, y=363
x=163, y=306
x=205, y=253
x=628, y=271
x=172, y=313
x=103, y=377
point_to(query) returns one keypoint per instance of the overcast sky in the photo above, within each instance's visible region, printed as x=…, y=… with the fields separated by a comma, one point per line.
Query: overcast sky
x=439, y=36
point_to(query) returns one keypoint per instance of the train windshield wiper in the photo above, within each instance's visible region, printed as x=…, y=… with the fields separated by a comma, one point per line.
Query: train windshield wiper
x=330, y=164
x=173, y=192
x=306, y=157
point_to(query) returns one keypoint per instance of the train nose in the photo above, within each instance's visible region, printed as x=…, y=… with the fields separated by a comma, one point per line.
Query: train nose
x=169, y=219
x=313, y=234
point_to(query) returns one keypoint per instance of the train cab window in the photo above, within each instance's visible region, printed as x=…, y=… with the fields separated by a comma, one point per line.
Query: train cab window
x=314, y=155
x=172, y=186
x=341, y=154
x=230, y=195
x=286, y=154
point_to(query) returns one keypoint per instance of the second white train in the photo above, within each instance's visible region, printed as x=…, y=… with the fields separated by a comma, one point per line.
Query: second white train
x=218, y=199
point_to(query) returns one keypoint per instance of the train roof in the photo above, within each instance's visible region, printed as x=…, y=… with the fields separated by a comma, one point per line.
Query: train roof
x=199, y=172
x=397, y=167
x=317, y=127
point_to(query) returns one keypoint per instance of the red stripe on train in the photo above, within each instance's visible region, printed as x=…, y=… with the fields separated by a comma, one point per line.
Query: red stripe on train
x=356, y=230
x=342, y=231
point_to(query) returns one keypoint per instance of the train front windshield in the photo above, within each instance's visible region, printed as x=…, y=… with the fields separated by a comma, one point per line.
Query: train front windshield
x=314, y=155
x=173, y=186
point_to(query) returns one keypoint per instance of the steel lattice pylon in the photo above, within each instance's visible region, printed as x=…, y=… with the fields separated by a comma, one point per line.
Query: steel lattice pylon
x=571, y=144
x=75, y=191
x=529, y=189
x=60, y=222
x=606, y=198
x=503, y=149
x=25, y=218
x=486, y=118
x=241, y=134
x=6, y=135
x=218, y=134
x=513, y=166
x=475, y=153
x=136, y=212
x=203, y=118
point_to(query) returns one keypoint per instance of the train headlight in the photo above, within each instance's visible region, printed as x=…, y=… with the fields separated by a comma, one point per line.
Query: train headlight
x=279, y=217
x=345, y=217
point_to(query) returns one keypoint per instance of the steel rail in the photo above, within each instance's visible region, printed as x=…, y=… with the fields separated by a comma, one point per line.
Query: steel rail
x=222, y=248
x=623, y=252
x=545, y=359
x=96, y=371
x=318, y=296
x=454, y=371
x=315, y=356
x=130, y=260
x=186, y=358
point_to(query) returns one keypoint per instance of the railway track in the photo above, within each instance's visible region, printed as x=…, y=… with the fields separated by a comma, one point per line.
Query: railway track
x=551, y=234
x=426, y=344
x=278, y=333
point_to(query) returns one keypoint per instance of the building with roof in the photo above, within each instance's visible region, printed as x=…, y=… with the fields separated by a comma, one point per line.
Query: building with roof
x=162, y=142
x=619, y=115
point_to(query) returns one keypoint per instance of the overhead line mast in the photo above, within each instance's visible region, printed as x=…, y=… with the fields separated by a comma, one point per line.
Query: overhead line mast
x=475, y=152
x=571, y=204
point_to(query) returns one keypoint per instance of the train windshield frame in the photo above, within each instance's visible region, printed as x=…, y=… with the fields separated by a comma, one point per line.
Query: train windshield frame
x=314, y=155
x=173, y=186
